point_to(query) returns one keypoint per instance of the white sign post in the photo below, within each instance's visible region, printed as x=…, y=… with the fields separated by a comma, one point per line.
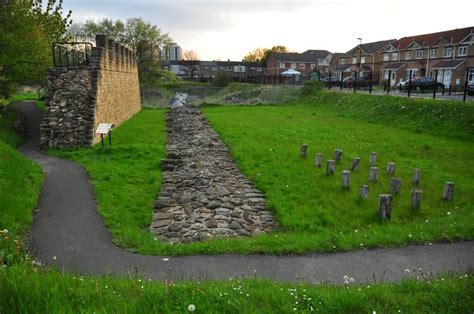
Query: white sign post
x=105, y=128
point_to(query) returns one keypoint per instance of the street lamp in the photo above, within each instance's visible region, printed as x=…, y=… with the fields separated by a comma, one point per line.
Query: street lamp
x=360, y=54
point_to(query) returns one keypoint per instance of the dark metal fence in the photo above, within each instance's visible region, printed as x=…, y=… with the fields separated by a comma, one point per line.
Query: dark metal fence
x=71, y=54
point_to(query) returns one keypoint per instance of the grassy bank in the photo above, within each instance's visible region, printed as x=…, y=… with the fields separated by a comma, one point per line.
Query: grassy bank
x=27, y=291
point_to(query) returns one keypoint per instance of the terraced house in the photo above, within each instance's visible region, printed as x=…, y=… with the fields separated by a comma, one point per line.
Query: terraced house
x=305, y=63
x=448, y=56
x=364, y=59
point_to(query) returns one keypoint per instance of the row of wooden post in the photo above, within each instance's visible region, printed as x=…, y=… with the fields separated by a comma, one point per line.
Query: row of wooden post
x=385, y=200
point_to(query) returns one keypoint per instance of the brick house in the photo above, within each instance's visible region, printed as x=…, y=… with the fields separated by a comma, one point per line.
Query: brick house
x=209, y=69
x=364, y=59
x=304, y=63
x=450, y=54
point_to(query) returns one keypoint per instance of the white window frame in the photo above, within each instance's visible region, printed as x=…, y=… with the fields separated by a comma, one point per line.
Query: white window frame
x=343, y=61
x=293, y=66
x=362, y=59
x=462, y=51
x=433, y=53
x=302, y=66
x=259, y=69
x=282, y=65
x=386, y=57
x=313, y=65
x=413, y=73
x=419, y=54
x=448, y=52
x=394, y=56
x=470, y=76
x=407, y=55
x=354, y=60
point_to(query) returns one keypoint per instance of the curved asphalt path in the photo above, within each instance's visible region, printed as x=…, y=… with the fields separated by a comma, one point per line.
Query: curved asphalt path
x=68, y=231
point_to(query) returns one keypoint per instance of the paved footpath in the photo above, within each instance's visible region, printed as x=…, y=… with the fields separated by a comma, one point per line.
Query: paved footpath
x=68, y=231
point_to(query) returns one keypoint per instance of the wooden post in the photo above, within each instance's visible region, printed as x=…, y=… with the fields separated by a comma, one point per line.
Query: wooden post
x=319, y=160
x=391, y=168
x=373, y=174
x=304, y=150
x=331, y=167
x=364, y=191
x=355, y=164
x=416, y=196
x=395, y=185
x=345, y=179
x=337, y=154
x=416, y=177
x=448, y=192
x=385, y=206
x=373, y=158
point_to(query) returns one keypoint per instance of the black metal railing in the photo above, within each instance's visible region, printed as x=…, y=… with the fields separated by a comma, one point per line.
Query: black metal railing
x=71, y=54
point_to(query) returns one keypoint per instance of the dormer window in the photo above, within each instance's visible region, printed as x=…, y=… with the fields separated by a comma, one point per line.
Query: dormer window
x=447, y=52
x=385, y=57
x=462, y=51
x=433, y=53
x=419, y=54
x=407, y=55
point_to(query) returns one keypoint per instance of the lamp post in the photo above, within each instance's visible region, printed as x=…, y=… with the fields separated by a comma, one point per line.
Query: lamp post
x=360, y=55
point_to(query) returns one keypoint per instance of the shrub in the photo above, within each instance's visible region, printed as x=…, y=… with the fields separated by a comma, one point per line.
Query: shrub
x=311, y=87
x=222, y=79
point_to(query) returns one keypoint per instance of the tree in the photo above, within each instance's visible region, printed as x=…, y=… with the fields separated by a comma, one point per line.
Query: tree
x=27, y=31
x=261, y=54
x=190, y=55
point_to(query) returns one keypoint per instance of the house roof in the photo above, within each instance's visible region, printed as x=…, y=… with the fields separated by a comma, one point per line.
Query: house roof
x=426, y=40
x=307, y=56
x=343, y=68
x=370, y=47
x=448, y=64
x=394, y=65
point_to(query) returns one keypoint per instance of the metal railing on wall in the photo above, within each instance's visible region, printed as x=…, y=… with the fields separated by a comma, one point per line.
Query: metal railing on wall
x=71, y=54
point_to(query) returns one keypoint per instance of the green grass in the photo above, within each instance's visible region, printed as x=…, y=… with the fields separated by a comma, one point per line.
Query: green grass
x=24, y=290
x=313, y=213
x=24, y=96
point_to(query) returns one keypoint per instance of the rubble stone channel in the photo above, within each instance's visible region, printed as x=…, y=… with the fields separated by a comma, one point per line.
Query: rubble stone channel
x=203, y=193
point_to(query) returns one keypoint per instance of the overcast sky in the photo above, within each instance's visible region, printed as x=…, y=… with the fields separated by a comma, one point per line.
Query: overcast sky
x=228, y=29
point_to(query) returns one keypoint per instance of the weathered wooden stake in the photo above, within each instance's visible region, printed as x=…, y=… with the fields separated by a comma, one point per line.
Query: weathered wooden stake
x=448, y=192
x=319, y=160
x=355, y=164
x=416, y=176
x=331, y=167
x=345, y=179
x=395, y=185
x=391, y=168
x=373, y=158
x=337, y=154
x=385, y=206
x=374, y=174
x=416, y=196
x=364, y=191
x=304, y=150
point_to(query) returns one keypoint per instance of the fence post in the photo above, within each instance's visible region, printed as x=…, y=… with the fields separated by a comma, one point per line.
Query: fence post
x=389, y=81
x=355, y=81
x=435, y=84
x=329, y=81
x=340, y=82
x=409, y=84
x=449, y=90
x=466, y=81
x=370, y=82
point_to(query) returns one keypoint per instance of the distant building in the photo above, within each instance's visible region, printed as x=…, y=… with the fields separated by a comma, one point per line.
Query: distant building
x=173, y=53
x=208, y=69
x=304, y=63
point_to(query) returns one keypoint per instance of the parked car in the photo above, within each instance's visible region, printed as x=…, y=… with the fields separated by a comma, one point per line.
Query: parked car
x=333, y=81
x=470, y=88
x=423, y=83
x=349, y=82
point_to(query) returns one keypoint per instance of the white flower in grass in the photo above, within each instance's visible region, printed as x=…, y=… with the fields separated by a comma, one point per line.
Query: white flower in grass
x=345, y=278
x=448, y=213
x=351, y=280
x=54, y=258
x=407, y=271
x=191, y=307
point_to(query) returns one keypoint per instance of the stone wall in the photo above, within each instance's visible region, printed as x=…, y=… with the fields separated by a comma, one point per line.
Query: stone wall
x=79, y=98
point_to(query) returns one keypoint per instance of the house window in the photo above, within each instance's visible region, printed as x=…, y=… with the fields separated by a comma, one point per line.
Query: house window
x=395, y=56
x=407, y=55
x=419, y=54
x=462, y=51
x=433, y=53
x=447, y=52
x=343, y=61
x=362, y=60
x=282, y=65
x=293, y=65
x=413, y=74
x=228, y=68
x=470, y=76
x=354, y=60
x=259, y=69
x=313, y=65
x=385, y=57
x=302, y=65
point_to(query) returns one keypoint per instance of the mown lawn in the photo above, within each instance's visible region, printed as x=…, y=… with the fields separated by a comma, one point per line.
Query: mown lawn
x=313, y=212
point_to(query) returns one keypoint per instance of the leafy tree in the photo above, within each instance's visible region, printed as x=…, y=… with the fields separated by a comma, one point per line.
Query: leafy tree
x=27, y=31
x=261, y=54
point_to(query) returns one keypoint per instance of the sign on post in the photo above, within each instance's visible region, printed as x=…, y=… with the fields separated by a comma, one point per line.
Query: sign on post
x=104, y=128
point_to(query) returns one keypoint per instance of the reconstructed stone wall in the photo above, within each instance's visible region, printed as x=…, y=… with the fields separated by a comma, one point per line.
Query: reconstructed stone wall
x=105, y=91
